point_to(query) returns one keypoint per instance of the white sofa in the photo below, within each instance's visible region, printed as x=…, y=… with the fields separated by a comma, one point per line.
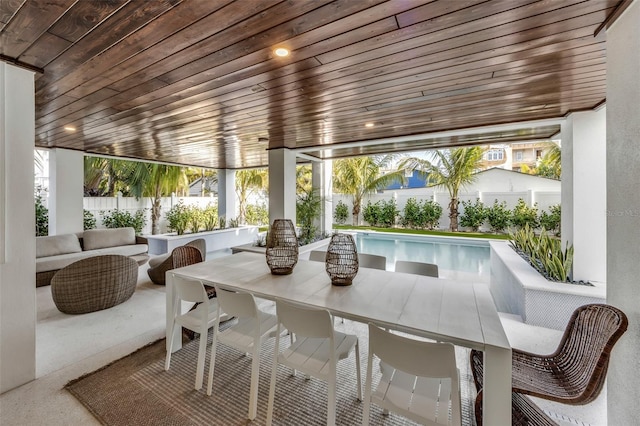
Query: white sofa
x=57, y=251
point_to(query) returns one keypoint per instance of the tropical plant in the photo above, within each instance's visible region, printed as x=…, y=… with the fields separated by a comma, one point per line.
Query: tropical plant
x=430, y=212
x=222, y=221
x=498, y=216
x=257, y=214
x=303, y=179
x=371, y=213
x=249, y=182
x=523, y=215
x=195, y=218
x=550, y=165
x=360, y=176
x=233, y=222
x=208, y=179
x=88, y=220
x=155, y=181
x=421, y=214
x=308, y=205
x=105, y=176
x=122, y=219
x=341, y=213
x=210, y=217
x=474, y=214
x=178, y=217
x=411, y=214
x=42, y=214
x=551, y=221
x=544, y=253
x=452, y=168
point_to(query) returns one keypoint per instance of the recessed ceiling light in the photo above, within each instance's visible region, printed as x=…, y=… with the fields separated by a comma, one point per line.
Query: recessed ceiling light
x=70, y=128
x=281, y=51
x=368, y=125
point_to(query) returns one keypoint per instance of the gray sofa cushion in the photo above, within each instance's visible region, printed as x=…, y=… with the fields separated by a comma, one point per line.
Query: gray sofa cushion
x=57, y=245
x=53, y=263
x=101, y=238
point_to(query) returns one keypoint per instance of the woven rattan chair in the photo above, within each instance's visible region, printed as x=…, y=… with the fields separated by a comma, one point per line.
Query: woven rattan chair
x=94, y=283
x=157, y=270
x=523, y=412
x=576, y=371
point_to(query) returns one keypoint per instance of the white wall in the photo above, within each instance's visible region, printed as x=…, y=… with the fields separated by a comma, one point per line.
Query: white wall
x=17, y=236
x=623, y=205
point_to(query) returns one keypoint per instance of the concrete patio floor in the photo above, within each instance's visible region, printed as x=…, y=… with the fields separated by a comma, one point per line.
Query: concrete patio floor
x=69, y=346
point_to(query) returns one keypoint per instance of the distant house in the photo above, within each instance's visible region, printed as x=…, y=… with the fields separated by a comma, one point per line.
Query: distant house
x=210, y=187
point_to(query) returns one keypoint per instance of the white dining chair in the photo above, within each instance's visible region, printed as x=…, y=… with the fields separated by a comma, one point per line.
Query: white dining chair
x=419, y=268
x=372, y=261
x=246, y=335
x=420, y=380
x=198, y=320
x=318, y=255
x=315, y=350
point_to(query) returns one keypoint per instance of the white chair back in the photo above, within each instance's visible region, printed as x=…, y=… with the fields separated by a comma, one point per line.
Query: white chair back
x=189, y=290
x=419, y=268
x=234, y=304
x=313, y=323
x=372, y=261
x=318, y=255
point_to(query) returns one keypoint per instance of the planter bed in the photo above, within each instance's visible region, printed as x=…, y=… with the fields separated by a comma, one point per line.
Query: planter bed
x=517, y=288
x=216, y=240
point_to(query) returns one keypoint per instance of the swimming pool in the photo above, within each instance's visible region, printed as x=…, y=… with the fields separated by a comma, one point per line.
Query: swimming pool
x=465, y=255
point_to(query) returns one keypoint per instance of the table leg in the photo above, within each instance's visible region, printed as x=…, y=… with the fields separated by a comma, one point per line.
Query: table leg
x=496, y=402
x=171, y=301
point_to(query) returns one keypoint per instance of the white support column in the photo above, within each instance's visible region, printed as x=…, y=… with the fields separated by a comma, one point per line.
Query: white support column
x=321, y=174
x=17, y=228
x=66, y=191
x=584, y=193
x=282, y=184
x=227, y=194
x=623, y=210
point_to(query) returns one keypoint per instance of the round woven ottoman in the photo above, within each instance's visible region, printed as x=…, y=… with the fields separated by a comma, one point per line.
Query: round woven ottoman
x=94, y=283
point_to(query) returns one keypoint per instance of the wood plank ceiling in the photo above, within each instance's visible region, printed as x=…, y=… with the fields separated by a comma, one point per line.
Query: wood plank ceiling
x=196, y=81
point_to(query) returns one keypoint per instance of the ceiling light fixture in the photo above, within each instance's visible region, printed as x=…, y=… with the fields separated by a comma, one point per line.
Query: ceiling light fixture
x=70, y=128
x=281, y=51
x=368, y=125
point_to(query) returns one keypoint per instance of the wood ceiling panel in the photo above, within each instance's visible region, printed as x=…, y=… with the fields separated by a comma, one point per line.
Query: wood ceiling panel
x=197, y=81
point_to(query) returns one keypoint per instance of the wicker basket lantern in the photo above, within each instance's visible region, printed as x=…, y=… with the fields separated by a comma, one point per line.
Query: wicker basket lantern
x=282, y=247
x=342, y=259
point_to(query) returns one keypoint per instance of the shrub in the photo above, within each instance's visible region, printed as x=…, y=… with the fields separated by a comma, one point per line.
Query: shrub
x=371, y=213
x=498, y=216
x=257, y=214
x=123, y=219
x=233, y=222
x=411, y=214
x=42, y=215
x=388, y=213
x=341, y=213
x=551, y=221
x=431, y=212
x=195, y=218
x=178, y=217
x=474, y=215
x=544, y=253
x=210, y=217
x=524, y=215
x=223, y=222
x=89, y=221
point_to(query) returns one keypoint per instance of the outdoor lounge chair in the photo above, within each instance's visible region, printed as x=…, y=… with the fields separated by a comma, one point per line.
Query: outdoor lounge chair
x=576, y=371
x=160, y=265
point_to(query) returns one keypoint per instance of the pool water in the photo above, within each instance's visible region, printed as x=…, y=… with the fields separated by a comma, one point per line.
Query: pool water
x=454, y=254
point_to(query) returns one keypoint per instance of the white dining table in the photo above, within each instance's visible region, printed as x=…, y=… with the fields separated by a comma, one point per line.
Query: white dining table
x=459, y=312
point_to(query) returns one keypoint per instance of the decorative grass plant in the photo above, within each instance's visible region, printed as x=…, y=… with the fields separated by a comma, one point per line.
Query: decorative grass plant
x=544, y=253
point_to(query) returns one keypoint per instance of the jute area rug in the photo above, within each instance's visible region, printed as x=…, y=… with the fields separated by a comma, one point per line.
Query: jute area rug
x=136, y=390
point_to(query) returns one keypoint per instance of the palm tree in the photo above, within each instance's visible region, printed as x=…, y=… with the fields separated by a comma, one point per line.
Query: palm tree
x=360, y=176
x=105, y=176
x=452, y=168
x=247, y=183
x=303, y=179
x=551, y=163
x=155, y=181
